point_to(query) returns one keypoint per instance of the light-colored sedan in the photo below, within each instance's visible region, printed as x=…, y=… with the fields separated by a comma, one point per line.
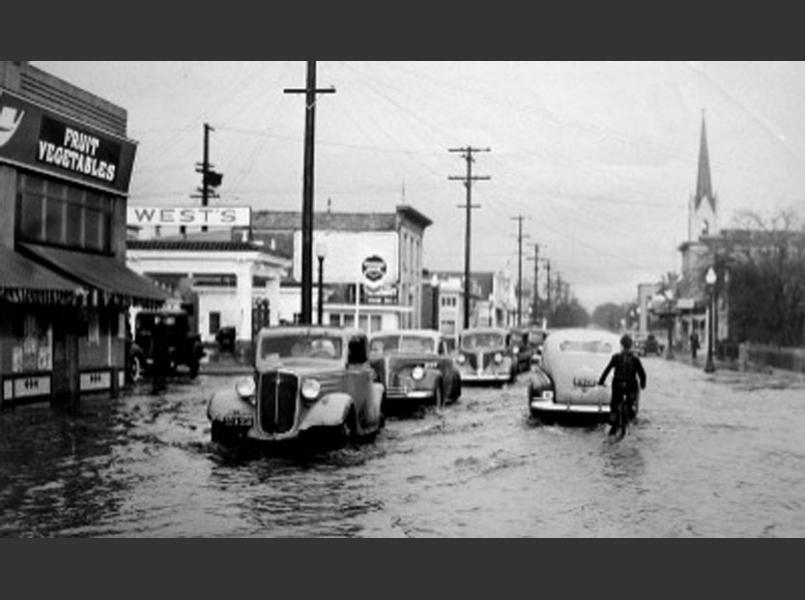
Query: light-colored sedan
x=306, y=378
x=566, y=381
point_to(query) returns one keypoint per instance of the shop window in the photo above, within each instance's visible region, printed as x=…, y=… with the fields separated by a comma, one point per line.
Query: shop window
x=215, y=322
x=376, y=323
x=335, y=319
x=349, y=320
x=363, y=322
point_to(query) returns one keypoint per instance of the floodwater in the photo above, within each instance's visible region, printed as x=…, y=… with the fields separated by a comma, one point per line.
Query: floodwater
x=711, y=455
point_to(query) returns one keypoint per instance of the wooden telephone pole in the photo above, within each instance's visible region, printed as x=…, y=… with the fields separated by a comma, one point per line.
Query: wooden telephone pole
x=310, y=92
x=468, y=179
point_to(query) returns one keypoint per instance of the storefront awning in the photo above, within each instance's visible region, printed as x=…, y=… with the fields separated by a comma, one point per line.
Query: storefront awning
x=23, y=280
x=115, y=281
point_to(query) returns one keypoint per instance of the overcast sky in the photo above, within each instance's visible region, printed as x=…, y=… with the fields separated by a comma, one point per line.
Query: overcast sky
x=600, y=157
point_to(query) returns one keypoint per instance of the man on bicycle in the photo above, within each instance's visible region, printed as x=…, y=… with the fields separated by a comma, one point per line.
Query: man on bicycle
x=628, y=374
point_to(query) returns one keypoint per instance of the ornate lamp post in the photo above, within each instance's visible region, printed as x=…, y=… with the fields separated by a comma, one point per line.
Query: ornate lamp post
x=321, y=252
x=710, y=280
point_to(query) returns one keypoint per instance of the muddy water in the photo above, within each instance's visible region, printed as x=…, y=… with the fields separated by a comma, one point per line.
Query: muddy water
x=719, y=455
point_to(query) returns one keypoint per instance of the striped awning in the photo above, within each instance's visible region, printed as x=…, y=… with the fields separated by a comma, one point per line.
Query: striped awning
x=24, y=281
x=106, y=279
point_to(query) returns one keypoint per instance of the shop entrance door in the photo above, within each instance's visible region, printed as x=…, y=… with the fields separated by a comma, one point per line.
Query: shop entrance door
x=65, y=377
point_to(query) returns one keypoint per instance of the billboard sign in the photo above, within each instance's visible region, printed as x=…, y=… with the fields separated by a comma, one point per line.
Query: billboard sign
x=190, y=216
x=40, y=139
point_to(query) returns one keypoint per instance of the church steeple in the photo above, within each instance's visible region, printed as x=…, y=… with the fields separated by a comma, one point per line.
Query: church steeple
x=703, y=216
x=704, y=187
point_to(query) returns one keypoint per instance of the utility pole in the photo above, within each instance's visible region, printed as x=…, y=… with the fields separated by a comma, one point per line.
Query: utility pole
x=310, y=92
x=535, y=301
x=548, y=287
x=519, y=220
x=209, y=177
x=468, y=179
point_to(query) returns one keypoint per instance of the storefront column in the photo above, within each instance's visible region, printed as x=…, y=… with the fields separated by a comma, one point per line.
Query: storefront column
x=243, y=343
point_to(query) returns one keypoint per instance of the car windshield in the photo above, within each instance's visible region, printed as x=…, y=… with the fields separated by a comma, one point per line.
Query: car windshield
x=407, y=343
x=594, y=346
x=298, y=346
x=482, y=340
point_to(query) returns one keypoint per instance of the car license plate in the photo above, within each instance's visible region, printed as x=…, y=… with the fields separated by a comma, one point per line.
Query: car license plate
x=238, y=420
x=585, y=382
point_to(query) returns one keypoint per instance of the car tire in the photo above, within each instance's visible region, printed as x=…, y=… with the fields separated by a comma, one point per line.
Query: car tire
x=136, y=368
x=223, y=435
x=193, y=366
x=347, y=431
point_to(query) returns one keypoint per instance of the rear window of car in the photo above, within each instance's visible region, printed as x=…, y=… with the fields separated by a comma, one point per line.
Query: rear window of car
x=594, y=346
x=384, y=344
x=301, y=347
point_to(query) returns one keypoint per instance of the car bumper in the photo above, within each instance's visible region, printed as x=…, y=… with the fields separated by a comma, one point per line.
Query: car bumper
x=484, y=377
x=550, y=406
x=402, y=395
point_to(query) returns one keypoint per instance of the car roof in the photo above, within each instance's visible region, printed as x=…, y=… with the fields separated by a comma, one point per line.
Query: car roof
x=311, y=329
x=412, y=332
x=484, y=330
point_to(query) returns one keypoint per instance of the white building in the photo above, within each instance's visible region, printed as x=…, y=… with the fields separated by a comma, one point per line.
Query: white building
x=237, y=283
x=372, y=265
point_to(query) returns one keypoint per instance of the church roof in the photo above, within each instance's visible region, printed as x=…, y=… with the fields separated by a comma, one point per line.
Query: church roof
x=704, y=187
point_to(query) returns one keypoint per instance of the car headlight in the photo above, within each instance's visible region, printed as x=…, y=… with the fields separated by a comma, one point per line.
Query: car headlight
x=310, y=389
x=498, y=357
x=245, y=388
x=418, y=373
x=461, y=359
x=516, y=350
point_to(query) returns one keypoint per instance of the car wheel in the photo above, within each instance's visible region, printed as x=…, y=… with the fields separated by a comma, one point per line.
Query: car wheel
x=221, y=434
x=347, y=430
x=193, y=369
x=136, y=369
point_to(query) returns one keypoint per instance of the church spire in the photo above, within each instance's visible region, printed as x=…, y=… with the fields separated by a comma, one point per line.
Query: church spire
x=703, y=185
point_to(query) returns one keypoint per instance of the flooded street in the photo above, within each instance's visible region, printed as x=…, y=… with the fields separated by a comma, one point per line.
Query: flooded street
x=711, y=455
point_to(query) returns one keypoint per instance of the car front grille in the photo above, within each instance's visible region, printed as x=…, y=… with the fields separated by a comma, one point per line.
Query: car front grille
x=278, y=401
x=472, y=359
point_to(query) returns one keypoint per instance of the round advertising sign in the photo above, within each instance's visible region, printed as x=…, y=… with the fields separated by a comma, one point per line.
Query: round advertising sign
x=374, y=268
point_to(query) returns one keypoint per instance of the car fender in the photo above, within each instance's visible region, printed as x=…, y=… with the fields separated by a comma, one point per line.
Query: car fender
x=227, y=402
x=328, y=411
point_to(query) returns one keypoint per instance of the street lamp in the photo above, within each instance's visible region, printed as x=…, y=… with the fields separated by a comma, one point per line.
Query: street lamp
x=321, y=252
x=434, y=289
x=710, y=280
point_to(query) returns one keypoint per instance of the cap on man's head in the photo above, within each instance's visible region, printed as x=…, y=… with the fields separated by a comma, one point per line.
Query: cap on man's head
x=626, y=342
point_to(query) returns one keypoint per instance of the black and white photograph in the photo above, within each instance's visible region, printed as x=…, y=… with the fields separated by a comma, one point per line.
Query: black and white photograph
x=401, y=299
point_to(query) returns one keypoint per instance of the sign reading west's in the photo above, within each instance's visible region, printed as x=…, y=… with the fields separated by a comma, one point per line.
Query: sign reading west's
x=211, y=216
x=33, y=136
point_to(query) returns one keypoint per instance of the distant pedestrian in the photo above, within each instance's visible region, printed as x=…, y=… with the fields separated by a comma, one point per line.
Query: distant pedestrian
x=160, y=354
x=694, y=345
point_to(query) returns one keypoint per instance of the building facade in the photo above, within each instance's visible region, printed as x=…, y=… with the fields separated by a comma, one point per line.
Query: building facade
x=371, y=265
x=235, y=283
x=65, y=169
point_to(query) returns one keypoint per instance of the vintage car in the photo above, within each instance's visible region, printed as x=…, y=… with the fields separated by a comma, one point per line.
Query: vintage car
x=485, y=355
x=566, y=383
x=522, y=349
x=306, y=379
x=167, y=335
x=416, y=366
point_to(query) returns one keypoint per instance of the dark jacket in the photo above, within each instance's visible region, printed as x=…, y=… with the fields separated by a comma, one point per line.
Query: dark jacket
x=628, y=372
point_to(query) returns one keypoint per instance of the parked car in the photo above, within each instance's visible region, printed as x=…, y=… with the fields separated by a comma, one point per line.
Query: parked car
x=485, y=355
x=521, y=348
x=306, y=379
x=566, y=383
x=416, y=366
x=163, y=335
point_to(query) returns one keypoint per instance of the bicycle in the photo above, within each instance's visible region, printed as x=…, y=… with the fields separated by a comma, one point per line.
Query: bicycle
x=624, y=413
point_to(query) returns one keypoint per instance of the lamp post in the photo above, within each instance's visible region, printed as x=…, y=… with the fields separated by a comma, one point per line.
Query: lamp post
x=434, y=290
x=710, y=280
x=669, y=298
x=321, y=252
